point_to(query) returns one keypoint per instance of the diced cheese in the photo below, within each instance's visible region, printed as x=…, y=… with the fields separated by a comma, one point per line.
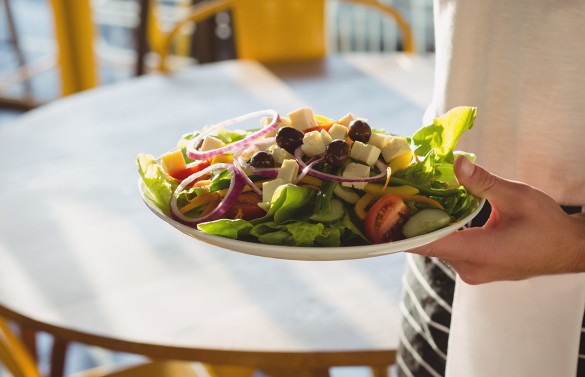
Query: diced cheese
x=394, y=148
x=284, y=122
x=279, y=154
x=313, y=144
x=210, y=143
x=347, y=119
x=326, y=138
x=269, y=187
x=173, y=161
x=302, y=118
x=338, y=131
x=289, y=171
x=364, y=153
x=379, y=140
x=355, y=170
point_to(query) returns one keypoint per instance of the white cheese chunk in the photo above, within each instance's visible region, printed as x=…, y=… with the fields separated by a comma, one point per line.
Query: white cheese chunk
x=279, y=154
x=269, y=187
x=289, y=171
x=364, y=153
x=302, y=118
x=347, y=119
x=394, y=148
x=313, y=144
x=326, y=138
x=210, y=143
x=379, y=140
x=355, y=170
x=338, y=131
x=284, y=122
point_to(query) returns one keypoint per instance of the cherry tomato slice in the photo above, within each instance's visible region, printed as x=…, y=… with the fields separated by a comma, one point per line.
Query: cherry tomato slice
x=182, y=174
x=385, y=218
x=246, y=207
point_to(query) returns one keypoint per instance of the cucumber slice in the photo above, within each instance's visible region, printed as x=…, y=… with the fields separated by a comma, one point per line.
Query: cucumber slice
x=346, y=194
x=425, y=221
x=336, y=213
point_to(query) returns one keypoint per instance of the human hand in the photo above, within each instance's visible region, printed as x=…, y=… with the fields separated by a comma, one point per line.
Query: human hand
x=527, y=234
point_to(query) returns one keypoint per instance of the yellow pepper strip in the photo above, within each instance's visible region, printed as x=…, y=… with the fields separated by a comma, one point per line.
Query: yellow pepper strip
x=213, y=203
x=362, y=203
x=199, y=201
x=312, y=187
x=312, y=181
x=224, y=191
x=422, y=199
x=401, y=162
x=202, y=183
x=323, y=120
x=222, y=159
x=400, y=190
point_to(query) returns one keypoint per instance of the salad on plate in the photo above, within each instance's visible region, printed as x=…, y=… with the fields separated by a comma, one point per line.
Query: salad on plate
x=307, y=180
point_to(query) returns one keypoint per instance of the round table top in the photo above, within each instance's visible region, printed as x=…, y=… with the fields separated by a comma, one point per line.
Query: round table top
x=81, y=255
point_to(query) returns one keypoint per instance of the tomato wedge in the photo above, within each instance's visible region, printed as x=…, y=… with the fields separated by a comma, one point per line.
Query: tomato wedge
x=182, y=174
x=246, y=207
x=385, y=219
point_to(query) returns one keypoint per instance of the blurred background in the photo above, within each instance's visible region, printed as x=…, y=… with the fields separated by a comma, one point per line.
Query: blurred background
x=28, y=58
x=29, y=70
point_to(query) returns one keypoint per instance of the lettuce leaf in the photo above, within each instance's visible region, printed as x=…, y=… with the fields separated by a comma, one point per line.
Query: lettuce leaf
x=433, y=175
x=159, y=186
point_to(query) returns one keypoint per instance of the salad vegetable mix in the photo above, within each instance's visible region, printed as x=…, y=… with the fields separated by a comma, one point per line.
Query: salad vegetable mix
x=308, y=180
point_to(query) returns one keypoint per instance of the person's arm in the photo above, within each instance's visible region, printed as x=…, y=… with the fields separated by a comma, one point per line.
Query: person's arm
x=527, y=234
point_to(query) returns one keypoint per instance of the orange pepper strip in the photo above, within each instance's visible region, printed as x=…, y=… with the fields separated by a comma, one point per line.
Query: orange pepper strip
x=200, y=200
x=422, y=199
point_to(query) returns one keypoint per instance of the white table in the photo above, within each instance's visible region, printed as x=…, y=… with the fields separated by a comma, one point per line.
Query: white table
x=83, y=258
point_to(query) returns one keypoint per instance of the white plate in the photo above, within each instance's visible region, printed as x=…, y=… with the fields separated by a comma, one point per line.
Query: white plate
x=311, y=253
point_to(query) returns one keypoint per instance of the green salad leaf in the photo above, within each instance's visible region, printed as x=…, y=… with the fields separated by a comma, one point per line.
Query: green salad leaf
x=159, y=187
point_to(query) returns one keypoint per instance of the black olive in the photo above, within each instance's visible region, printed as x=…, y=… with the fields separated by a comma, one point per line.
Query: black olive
x=289, y=139
x=359, y=131
x=337, y=152
x=262, y=160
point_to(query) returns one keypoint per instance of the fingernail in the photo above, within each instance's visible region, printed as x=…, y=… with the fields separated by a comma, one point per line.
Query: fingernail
x=466, y=168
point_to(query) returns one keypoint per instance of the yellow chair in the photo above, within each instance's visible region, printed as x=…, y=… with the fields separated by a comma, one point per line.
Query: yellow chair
x=270, y=30
x=18, y=361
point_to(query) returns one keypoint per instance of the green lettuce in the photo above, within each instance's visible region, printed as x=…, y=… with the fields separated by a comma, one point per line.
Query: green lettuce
x=433, y=175
x=159, y=186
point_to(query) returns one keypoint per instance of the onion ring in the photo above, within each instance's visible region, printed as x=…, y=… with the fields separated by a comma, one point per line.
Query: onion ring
x=194, y=154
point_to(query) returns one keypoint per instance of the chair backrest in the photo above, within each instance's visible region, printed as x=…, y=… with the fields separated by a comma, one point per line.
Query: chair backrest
x=274, y=30
x=14, y=355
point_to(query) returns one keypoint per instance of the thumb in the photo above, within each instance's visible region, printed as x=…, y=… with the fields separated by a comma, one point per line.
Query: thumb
x=483, y=184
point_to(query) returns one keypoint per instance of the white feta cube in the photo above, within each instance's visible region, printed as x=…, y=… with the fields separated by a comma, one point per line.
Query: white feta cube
x=313, y=144
x=302, y=118
x=269, y=187
x=284, y=122
x=326, y=138
x=338, y=131
x=379, y=140
x=210, y=143
x=289, y=171
x=347, y=119
x=355, y=170
x=279, y=154
x=394, y=148
x=364, y=153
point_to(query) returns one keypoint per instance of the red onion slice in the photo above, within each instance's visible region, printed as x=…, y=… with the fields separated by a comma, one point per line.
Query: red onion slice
x=237, y=184
x=194, y=154
x=330, y=177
